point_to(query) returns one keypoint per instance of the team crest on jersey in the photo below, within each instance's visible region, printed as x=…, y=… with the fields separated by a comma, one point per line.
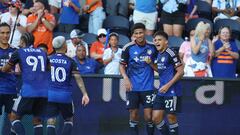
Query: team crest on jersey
x=162, y=59
x=10, y=54
x=149, y=52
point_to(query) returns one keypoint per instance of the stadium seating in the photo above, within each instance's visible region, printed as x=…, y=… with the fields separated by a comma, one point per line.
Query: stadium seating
x=89, y=38
x=149, y=38
x=123, y=40
x=175, y=42
x=117, y=24
x=66, y=35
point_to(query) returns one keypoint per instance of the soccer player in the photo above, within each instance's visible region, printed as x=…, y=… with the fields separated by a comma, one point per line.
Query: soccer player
x=7, y=80
x=168, y=98
x=60, y=94
x=33, y=64
x=138, y=78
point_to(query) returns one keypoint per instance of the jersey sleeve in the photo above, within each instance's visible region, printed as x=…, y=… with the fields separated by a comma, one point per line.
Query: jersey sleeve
x=125, y=56
x=74, y=65
x=14, y=59
x=174, y=58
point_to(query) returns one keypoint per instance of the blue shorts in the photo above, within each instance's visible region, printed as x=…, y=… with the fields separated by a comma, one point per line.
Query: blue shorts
x=171, y=104
x=66, y=110
x=30, y=105
x=135, y=98
x=6, y=100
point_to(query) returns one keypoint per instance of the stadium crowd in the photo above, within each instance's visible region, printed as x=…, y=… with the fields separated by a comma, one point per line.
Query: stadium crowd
x=77, y=19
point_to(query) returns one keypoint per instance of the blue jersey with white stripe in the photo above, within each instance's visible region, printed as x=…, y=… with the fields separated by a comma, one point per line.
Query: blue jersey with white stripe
x=166, y=63
x=139, y=72
x=33, y=63
x=7, y=80
x=61, y=74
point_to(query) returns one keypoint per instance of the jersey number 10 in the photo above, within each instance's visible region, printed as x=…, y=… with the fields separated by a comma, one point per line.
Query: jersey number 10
x=55, y=74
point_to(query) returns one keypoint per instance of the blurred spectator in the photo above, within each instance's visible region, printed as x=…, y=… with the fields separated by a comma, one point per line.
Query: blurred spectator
x=41, y=24
x=69, y=16
x=224, y=9
x=85, y=65
x=224, y=63
x=145, y=11
x=131, y=6
x=97, y=15
x=76, y=40
x=3, y=6
x=192, y=9
x=201, y=52
x=117, y=7
x=97, y=48
x=29, y=9
x=17, y=22
x=112, y=55
x=185, y=49
x=173, y=16
x=55, y=6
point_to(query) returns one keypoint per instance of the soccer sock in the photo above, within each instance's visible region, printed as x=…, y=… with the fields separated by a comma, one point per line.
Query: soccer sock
x=133, y=127
x=67, y=129
x=38, y=129
x=162, y=127
x=173, y=129
x=18, y=127
x=12, y=132
x=150, y=128
x=51, y=130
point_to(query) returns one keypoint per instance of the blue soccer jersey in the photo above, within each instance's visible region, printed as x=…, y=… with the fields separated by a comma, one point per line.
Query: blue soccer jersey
x=166, y=63
x=7, y=80
x=33, y=63
x=61, y=74
x=89, y=66
x=139, y=72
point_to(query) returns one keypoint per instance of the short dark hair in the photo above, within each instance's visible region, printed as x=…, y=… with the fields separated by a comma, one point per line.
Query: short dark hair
x=114, y=34
x=161, y=33
x=45, y=4
x=138, y=26
x=43, y=45
x=5, y=25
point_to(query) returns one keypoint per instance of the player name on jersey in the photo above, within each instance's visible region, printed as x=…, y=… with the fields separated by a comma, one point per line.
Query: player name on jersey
x=31, y=50
x=60, y=61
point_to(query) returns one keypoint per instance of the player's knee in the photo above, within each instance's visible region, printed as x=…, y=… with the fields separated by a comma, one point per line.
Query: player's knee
x=172, y=118
x=13, y=116
x=155, y=120
x=134, y=115
x=51, y=121
x=148, y=117
x=36, y=121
